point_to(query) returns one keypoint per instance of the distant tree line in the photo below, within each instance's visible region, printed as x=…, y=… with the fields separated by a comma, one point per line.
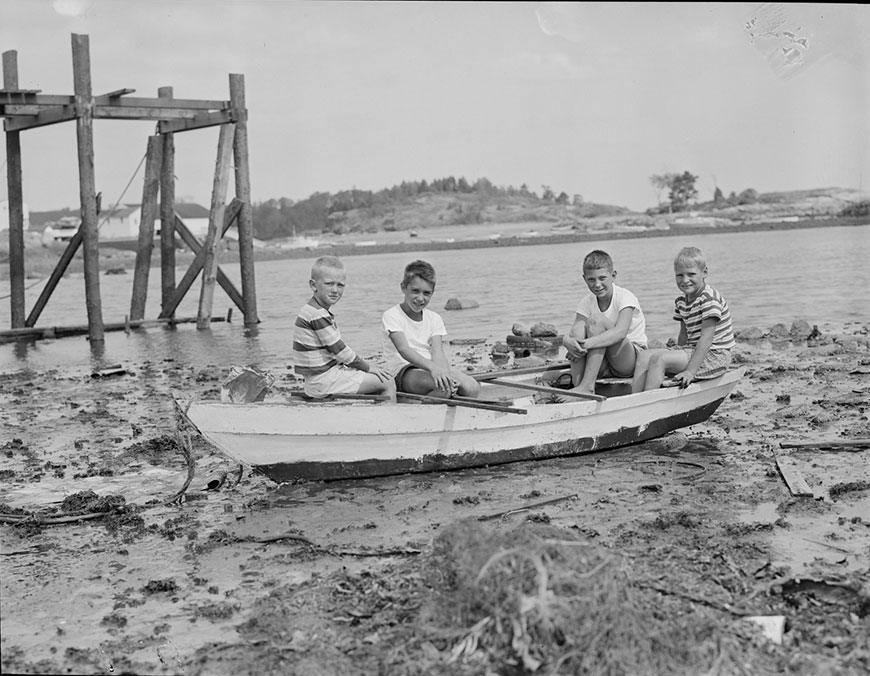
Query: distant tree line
x=284, y=217
x=682, y=194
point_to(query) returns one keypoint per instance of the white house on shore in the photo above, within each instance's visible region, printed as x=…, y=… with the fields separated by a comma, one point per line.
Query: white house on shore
x=123, y=221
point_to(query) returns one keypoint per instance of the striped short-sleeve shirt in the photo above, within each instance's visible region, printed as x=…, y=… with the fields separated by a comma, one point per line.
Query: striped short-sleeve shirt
x=708, y=305
x=317, y=343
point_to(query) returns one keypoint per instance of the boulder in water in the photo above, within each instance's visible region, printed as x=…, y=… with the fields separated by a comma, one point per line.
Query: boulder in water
x=459, y=304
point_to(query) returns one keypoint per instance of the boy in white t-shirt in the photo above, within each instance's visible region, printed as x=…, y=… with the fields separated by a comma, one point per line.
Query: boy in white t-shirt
x=413, y=337
x=609, y=328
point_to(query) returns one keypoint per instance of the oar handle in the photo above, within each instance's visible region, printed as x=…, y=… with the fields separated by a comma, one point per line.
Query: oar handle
x=548, y=390
x=465, y=401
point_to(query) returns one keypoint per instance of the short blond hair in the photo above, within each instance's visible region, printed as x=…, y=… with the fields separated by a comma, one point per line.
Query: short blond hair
x=325, y=263
x=690, y=255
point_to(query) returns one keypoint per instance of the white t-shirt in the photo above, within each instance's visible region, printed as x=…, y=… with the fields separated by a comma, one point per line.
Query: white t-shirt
x=622, y=298
x=416, y=333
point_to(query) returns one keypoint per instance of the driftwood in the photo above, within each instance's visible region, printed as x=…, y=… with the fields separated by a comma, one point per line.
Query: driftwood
x=525, y=508
x=846, y=444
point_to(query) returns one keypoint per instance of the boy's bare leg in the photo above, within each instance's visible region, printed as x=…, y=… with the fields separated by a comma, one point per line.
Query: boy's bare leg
x=663, y=362
x=641, y=367
x=371, y=384
x=468, y=386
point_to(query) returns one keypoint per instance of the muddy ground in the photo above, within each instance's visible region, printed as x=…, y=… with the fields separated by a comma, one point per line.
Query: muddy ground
x=645, y=560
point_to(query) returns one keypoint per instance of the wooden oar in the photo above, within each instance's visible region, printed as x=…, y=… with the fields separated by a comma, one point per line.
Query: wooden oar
x=468, y=402
x=331, y=397
x=485, y=376
x=549, y=390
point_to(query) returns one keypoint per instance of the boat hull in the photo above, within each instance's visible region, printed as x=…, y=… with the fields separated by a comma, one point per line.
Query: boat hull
x=291, y=442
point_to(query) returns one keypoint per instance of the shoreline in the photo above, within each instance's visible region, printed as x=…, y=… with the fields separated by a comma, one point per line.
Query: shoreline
x=561, y=238
x=41, y=261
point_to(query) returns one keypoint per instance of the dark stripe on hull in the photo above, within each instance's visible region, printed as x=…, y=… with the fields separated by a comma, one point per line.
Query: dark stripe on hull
x=327, y=471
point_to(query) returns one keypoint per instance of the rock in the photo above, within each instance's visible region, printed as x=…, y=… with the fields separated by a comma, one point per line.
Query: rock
x=778, y=331
x=541, y=330
x=750, y=334
x=458, y=304
x=519, y=330
x=501, y=349
x=800, y=329
x=116, y=271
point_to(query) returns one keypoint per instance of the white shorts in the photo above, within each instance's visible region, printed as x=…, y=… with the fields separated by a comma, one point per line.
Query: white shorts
x=339, y=379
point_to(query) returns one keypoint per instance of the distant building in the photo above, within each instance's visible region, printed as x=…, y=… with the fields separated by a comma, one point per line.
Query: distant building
x=123, y=221
x=4, y=216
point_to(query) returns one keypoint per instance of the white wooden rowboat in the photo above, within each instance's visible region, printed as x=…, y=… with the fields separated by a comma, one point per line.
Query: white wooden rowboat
x=289, y=440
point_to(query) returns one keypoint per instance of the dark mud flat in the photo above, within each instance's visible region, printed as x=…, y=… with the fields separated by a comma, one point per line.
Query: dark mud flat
x=646, y=560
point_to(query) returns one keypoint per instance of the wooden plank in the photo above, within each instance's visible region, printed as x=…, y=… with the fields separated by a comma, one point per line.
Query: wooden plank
x=465, y=402
x=33, y=332
x=33, y=97
x=160, y=102
x=849, y=443
x=63, y=262
x=113, y=112
x=215, y=218
x=145, y=245
x=167, y=217
x=200, y=121
x=43, y=119
x=114, y=94
x=87, y=181
x=546, y=390
x=484, y=376
x=243, y=193
x=15, y=192
x=22, y=109
x=793, y=478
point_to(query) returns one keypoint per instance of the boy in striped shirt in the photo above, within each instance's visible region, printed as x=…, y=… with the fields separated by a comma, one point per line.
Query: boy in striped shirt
x=322, y=358
x=703, y=348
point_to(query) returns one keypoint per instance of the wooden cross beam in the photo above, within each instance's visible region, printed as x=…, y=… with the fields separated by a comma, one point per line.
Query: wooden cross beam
x=198, y=262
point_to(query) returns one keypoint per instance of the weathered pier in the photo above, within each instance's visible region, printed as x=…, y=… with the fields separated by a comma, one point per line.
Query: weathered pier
x=23, y=109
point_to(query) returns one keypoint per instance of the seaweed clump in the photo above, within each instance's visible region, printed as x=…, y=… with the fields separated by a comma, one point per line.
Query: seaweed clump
x=540, y=599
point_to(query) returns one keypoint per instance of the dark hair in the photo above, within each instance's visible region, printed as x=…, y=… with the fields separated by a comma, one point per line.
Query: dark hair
x=597, y=259
x=420, y=269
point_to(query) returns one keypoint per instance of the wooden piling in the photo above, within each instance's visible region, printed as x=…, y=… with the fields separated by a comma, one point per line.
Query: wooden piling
x=153, y=165
x=215, y=218
x=245, y=223
x=15, y=193
x=84, y=107
x=167, y=212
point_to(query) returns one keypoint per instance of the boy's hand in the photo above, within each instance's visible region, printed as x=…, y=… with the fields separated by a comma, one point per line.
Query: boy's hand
x=575, y=348
x=381, y=373
x=685, y=378
x=443, y=378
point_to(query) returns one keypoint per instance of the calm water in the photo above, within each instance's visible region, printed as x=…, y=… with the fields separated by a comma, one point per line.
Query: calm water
x=818, y=274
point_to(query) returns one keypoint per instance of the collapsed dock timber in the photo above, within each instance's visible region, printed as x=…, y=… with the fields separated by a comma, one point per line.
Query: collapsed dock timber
x=24, y=109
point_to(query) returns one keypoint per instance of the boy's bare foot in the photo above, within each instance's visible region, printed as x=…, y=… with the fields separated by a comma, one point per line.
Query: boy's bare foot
x=564, y=399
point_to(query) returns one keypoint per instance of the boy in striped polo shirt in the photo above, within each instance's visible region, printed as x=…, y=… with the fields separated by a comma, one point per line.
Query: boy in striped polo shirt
x=703, y=348
x=321, y=356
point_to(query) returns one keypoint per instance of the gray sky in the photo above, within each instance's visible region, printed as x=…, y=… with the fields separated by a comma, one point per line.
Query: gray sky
x=585, y=98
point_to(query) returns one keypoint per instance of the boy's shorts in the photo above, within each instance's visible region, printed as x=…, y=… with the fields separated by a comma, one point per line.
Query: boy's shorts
x=339, y=379
x=401, y=375
x=607, y=371
x=714, y=365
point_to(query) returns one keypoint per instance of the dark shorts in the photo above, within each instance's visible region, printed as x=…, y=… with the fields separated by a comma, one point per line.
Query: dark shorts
x=401, y=375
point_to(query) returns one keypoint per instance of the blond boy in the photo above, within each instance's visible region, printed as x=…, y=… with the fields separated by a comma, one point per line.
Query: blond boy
x=703, y=348
x=322, y=358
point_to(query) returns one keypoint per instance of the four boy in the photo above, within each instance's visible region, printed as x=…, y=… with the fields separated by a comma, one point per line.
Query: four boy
x=608, y=337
